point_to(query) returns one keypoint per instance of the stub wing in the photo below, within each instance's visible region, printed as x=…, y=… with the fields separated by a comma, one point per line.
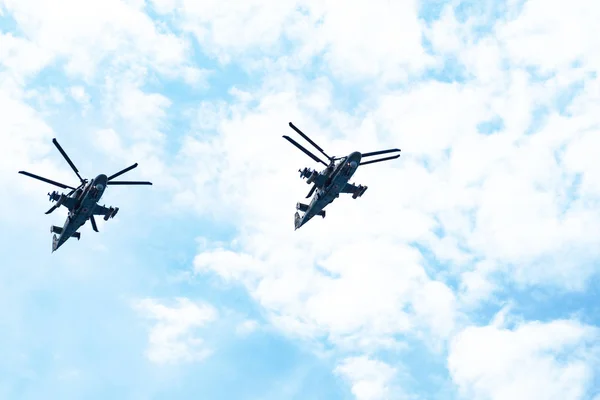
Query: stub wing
x=69, y=202
x=65, y=201
x=101, y=210
x=349, y=188
x=356, y=191
x=107, y=213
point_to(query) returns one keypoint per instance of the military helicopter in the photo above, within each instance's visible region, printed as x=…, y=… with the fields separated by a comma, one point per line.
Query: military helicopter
x=333, y=180
x=81, y=201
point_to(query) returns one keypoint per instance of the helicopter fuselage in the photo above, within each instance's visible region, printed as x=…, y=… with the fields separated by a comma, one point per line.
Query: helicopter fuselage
x=85, y=204
x=334, y=183
x=81, y=201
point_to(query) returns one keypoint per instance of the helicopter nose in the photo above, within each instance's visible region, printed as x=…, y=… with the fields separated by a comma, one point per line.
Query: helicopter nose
x=100, y=181
x=354, y=159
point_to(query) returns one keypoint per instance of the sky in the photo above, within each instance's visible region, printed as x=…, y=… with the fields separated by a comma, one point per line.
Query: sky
x=468, y=270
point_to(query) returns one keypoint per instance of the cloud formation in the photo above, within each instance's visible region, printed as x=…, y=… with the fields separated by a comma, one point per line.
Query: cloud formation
x=172, y=338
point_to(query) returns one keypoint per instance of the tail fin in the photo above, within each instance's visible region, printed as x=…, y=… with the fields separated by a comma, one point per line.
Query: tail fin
x=54, y=243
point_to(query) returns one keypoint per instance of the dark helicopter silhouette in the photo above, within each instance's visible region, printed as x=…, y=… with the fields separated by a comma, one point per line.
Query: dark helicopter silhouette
x=333, y=180
x=81, y=201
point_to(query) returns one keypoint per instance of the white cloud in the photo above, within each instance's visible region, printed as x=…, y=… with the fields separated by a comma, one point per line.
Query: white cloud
x=246, y=327
x=136, y=127
x=79, y=94
x=22, y=57
x=376, y=39
x=571, y=30
x=174, y=337
x=364, y=306
x=146, y=111
x=196, y=76
x=555, y=360
x=478, y=284
x=109, y=141
x=26, y=142
x=580, y=159
x=362, y=40
x=86, y=33
x=369, y=379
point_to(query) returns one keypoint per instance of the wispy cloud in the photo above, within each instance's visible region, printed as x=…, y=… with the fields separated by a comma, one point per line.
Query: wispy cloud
x=172, y=338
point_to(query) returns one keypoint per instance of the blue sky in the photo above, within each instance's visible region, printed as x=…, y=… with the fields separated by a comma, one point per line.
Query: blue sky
x=469, y=270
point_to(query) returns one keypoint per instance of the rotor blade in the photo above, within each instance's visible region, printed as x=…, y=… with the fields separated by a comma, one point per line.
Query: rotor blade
x=67, y=158
x=309, y=140
x=54, y=207
x=93, y=221
x=312, y=190
x=308, y=153
x=381, y=159
x=122, y=171
x=128, y=183
x=60, y=185
x=374, y=153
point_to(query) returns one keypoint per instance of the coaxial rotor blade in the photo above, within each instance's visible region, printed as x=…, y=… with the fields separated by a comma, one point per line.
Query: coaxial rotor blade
x=60, y=185
x=122, y=171
x=312, y=190
x=93, y=221
x=128, y=183
x=374, y=153
x=308, y=153
x=54, y=207
x=381, y=159
x=67, y=158
x=309, y=140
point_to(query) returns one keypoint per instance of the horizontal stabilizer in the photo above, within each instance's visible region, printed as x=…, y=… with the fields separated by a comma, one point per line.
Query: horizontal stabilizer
x=301, y=207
